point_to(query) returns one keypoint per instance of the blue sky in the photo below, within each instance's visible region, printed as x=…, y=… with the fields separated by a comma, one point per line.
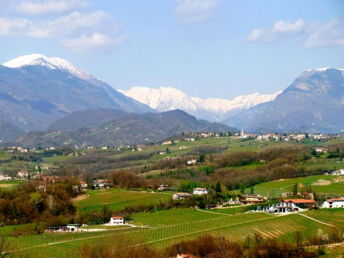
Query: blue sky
x=206, y=48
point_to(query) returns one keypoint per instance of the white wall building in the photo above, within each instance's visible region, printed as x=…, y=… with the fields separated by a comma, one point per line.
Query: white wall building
x=334, y=203
x=116, y=221
x=200, y=191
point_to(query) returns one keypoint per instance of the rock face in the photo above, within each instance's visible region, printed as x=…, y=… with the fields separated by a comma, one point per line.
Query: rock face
x=85, y=128
x=36, y=90
x=314, y=102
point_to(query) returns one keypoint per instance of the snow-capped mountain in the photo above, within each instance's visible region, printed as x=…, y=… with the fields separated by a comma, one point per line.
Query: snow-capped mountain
x=54, y=63
x=213, y=109
x=36, y=90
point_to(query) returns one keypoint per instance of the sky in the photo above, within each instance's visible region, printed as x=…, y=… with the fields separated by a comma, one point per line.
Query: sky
x=206, y=48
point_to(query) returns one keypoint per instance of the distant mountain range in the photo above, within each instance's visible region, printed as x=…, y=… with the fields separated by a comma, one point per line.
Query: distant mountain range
x=211, y=109
x=39, y=93
x=36, y=90
x=314, y=102
x=106, y=127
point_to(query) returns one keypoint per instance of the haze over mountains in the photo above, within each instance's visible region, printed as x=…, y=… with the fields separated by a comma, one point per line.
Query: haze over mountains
x=38, y=93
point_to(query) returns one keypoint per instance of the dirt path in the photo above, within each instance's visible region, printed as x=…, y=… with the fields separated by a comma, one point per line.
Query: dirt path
x=80, y=198
x=326, y=224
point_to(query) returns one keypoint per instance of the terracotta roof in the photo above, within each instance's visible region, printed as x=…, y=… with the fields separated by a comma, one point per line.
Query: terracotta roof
x=336, y=199
x=117, y=217
x=299, y=201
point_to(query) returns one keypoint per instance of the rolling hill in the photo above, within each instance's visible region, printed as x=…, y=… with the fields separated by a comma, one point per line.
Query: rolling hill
x=121, y=129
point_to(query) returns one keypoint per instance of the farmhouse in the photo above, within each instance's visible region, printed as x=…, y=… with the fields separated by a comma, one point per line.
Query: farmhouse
x=116, y=221
x=334, y=203
x=22, y=174
x=5, y=178
x=191, y=162
x=200, y=191
x=83, y=185
x=163, y=187
x=100, y=183
x=300, y=203
x=251, y=199
x=73, y=227
x=181, y=196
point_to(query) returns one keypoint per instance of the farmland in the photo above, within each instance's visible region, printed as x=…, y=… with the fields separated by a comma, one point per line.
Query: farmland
x=322, y=185
x=169, y=226
x=116, y=199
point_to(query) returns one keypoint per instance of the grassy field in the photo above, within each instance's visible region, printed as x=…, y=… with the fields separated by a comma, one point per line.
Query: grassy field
x=169, y=226
x=322, y=185
x=118, y=199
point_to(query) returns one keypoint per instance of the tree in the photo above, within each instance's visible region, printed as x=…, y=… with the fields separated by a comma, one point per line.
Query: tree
x=295, y=190
x=251, y=190
x=242, y=188
x=201, y=158
x=218, y=187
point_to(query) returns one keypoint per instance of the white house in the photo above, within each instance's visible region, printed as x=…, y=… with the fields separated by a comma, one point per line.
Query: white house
x=191, y=162
x=5, y=178
x=23, y=174
x=116, y=221
x=334, y=203
x=73, y=227
x=200, y=191
x=181, y=196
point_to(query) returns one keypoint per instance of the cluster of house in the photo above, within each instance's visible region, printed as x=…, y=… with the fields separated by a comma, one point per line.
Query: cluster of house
x=197, y=191
x=297, y=205
x=70, y=228
x=290, y=137
x=339, y=172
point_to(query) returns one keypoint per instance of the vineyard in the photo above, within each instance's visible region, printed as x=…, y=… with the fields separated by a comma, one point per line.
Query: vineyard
x=322, y=185
x=169, y=226
x=118, y=199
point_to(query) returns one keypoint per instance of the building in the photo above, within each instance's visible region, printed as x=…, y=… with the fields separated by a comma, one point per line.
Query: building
x=300, y=203
x=321, y=150
x=200, y=191
x=191, y=162
x=181, y=196
x=251, y=199
x=73, y=227
x=23, y=174
x=100, y=183
x=5, y=178
x=83, y=185
x=334, y=203
x=114, y=221
x=163, y=187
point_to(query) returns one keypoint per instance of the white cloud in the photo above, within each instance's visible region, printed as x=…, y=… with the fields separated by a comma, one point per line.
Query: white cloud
x=86, y=30
x=44, y=7
x=195, y=11
x=85, y=42
x=11, y=26
x=315, y=34
x=280, y=29
x=328, y=34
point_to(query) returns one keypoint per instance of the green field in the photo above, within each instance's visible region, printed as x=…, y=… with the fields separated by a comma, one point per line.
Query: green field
x=322, y=185
x=170, y=226
x=119, y=199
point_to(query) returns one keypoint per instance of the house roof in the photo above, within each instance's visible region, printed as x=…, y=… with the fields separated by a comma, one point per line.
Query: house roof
x=299, y=201
x=117, y=217
x=200, y=189
x=341, y=199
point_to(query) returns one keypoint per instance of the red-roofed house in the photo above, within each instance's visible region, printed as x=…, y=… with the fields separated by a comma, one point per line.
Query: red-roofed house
x=299, y=203
x=334, y=203
x=116, y=221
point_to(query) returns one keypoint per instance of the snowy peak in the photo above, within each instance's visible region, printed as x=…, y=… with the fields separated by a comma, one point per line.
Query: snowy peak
x=213, y=109
x=54, y=63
